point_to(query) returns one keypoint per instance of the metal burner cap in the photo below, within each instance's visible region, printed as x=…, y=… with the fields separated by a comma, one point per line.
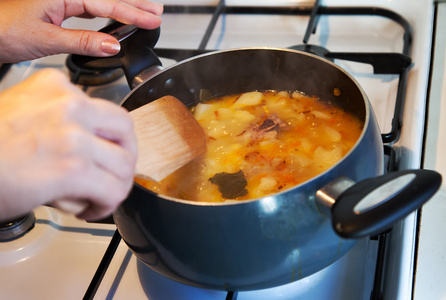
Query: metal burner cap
x=14, y=229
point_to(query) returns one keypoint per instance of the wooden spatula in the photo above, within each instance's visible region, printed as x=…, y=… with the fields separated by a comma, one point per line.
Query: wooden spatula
x=168, y=137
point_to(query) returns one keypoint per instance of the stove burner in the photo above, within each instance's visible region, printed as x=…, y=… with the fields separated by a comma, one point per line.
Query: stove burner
x=13, y=229
x=91, y=78
x=313, y=49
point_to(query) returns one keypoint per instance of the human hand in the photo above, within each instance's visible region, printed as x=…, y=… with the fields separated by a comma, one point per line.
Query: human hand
x=57, y=143
x=31, y=29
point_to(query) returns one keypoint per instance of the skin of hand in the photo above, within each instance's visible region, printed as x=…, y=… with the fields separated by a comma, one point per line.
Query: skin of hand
x=31, y=29
x=58, y=143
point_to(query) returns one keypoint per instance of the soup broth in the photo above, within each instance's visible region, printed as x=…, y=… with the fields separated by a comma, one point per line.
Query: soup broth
x=260, y=143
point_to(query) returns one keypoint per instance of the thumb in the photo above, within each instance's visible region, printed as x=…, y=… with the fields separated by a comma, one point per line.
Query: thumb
x=85, y=42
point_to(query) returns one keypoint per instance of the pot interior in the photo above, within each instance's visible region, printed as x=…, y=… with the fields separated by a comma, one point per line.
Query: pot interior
x=249, y=69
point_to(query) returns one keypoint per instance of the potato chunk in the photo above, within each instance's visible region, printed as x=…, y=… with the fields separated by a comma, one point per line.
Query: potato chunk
x=333, y=134
x=327, y=158
x=267, y=183
x=248, y=99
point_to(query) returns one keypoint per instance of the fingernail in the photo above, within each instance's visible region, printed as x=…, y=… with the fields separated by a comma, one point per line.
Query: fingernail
x=110, y=46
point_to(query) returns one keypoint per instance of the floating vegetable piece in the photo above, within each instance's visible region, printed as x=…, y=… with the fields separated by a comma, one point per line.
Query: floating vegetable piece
x=230, y=185
x=248, y=99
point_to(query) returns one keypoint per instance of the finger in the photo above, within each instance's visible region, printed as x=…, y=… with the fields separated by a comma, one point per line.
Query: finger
x=95, y=175
x=94, y=195
x=82, y=42
x=108, y=121
x=29, y=88
x=103, y=120
x=72, y=149
x=92, y=128
x=152, y=7
x=70, y=206
x=101, y=178
x=104, y=194
x=143, y=14
x=111, y=157
x=49, y=76
x=95, y=212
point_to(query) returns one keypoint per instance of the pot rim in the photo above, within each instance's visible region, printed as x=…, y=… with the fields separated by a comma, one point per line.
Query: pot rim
x=367, y=105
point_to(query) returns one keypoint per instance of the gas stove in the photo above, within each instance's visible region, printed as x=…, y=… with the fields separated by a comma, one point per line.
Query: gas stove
x=385, y=45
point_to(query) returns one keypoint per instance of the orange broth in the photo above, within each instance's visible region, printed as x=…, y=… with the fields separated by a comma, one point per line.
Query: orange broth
x=276, y=139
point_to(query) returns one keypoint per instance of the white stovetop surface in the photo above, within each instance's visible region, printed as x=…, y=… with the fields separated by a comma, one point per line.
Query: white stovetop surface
x=430, y=277
x=56, y=278
x=55, y=260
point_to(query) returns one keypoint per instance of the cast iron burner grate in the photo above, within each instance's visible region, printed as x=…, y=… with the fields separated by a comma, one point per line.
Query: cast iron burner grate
x=383, y=63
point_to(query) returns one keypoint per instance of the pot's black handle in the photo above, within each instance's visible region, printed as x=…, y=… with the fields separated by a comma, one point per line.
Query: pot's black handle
x=136, y=53
x=374, y=205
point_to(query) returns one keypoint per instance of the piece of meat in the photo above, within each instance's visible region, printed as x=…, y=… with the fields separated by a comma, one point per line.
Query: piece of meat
x=266, y=127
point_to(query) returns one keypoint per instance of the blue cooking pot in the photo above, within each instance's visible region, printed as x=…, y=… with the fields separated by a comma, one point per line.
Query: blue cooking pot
x=280, y=238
